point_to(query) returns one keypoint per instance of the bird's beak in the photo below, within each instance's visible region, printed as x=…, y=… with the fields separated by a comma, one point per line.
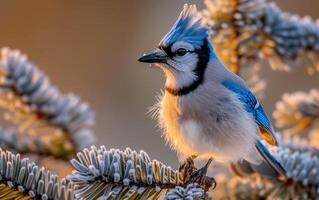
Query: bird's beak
x=152, y=58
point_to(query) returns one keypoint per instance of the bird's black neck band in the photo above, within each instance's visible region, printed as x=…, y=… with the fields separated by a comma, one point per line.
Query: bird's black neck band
x=203, y=59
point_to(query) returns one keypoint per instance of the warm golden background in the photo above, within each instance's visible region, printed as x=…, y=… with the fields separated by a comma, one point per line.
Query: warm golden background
x=91, y=48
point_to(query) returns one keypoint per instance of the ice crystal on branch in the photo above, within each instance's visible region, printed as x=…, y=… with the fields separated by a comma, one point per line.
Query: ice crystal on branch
x=48, y=122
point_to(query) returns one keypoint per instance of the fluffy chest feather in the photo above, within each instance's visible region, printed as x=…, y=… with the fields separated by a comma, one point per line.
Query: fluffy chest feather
x=205, y=124
x=171, y=115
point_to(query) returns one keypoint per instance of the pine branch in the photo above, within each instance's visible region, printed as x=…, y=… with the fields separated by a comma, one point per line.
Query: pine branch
x=302, y=169
x=25, y=144
x=237, y=188
x=120, y=174
x=192, y=191
x=98, y=173
x=302, y=180
x=298, y=113
x=127, y=174
x=48, y=122
x=264, y=30
x=22, y=179
x=248, y=32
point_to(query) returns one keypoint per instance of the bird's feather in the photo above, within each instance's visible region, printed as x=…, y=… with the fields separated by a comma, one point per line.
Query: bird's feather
x=270, y=166
x=189, y=27
x=270, y=159
x=252, y=105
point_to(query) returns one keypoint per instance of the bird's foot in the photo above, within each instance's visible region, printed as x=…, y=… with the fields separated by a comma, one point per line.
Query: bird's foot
x=193, y=175
x=199, y=176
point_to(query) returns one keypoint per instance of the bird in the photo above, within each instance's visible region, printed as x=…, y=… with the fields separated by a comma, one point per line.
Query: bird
x=206, y=110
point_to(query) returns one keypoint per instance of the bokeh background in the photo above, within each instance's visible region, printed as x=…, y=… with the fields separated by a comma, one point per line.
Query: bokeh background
x=91, y=48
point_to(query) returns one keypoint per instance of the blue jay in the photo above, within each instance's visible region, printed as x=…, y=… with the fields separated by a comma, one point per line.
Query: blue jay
x=206, y=109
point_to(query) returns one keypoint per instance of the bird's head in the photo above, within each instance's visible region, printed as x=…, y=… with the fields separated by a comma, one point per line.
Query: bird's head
x=183, y=53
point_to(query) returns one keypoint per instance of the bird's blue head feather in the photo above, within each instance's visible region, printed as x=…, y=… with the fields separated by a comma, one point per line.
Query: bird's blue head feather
x=184, y=53
x=189, y=27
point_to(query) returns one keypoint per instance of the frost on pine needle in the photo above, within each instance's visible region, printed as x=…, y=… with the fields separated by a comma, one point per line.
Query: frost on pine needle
x=22, y=179
x=120, y=174
x=245, y=32
x=238, y=188
x=10, y=139
x=302, y=167
x=61, y=123
x=298, y=113
x=301, y=144
x=192, y=191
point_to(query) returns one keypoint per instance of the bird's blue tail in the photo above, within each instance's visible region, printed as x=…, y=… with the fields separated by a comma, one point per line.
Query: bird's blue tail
x=270, y=166
x=270, y=159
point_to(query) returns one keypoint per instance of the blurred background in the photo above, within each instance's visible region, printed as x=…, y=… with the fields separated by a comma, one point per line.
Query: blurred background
x=91, y=48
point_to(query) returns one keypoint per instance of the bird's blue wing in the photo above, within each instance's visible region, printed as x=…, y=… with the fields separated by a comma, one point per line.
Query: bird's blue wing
x=252, y=105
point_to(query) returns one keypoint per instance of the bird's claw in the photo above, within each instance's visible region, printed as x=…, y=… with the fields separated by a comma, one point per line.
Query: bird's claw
x=197, y=175
x=193, y=175
x=208, y=182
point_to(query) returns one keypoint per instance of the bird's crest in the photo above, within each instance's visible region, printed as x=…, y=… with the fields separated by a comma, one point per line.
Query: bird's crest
x=189, y=27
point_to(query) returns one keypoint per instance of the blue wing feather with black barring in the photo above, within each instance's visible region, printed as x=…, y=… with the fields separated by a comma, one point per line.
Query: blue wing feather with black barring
x=252, y=105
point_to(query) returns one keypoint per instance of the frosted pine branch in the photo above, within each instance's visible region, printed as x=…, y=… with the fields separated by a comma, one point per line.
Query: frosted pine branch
x=25, y=144
x=120, y=174
x=20, y=178
x=246, y=31
x=192, y=191
x=302, y=168
x=302, y=179
x=298, y=113
x=38, y=108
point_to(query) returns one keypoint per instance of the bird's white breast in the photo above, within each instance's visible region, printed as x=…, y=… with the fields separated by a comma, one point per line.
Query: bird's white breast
x=169, y=119
x=205, y=125
x=192, y=131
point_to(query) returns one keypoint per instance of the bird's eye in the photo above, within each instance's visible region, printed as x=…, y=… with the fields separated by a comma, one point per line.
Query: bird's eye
x=181, y=52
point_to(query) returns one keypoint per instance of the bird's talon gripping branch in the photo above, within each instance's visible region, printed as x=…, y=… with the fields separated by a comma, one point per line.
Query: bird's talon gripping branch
x=193, y=175
x=199, y=176
x=208, y=182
